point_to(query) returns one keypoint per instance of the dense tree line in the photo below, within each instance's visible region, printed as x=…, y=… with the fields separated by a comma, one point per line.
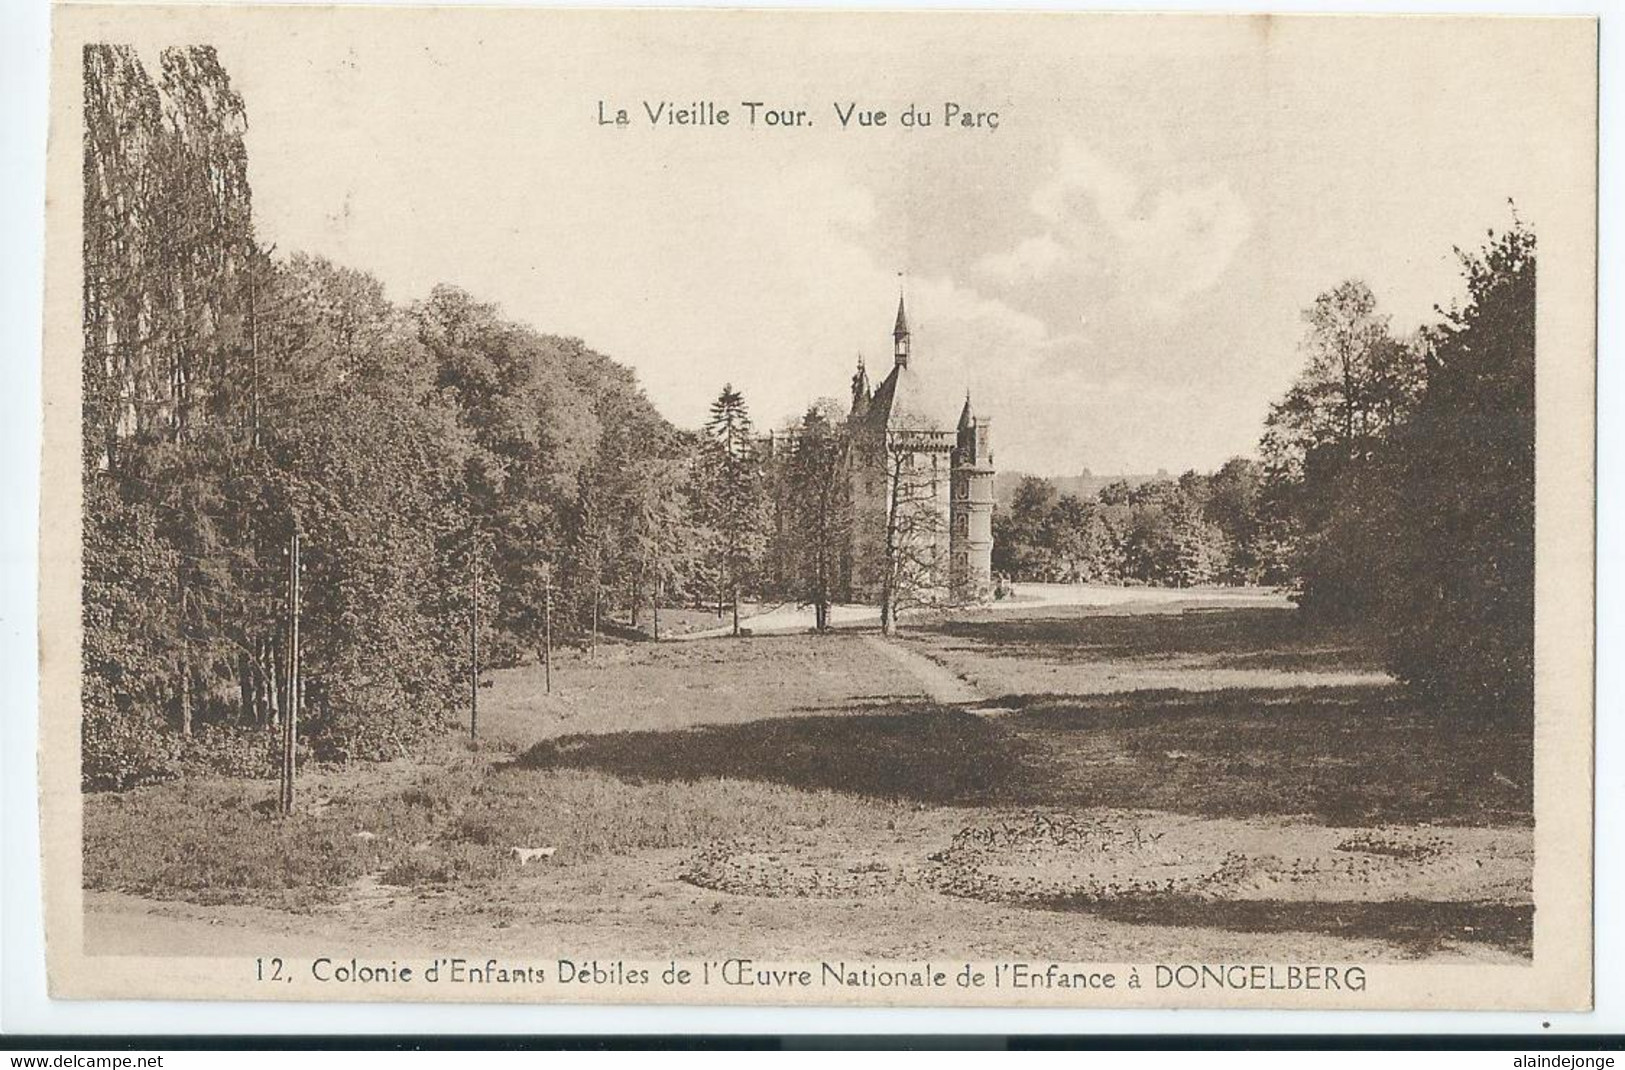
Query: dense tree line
x=231, y=399
x=1198, y=529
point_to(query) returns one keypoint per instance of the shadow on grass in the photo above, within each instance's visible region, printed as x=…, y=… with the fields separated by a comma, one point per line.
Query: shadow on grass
x=1418, y=927
x=1343, y=755
x=937, y=755
x=1350, y=755
x=1245, y=638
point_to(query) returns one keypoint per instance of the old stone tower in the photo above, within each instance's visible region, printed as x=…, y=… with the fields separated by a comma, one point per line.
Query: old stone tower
x=971, y=510
x=922, y=496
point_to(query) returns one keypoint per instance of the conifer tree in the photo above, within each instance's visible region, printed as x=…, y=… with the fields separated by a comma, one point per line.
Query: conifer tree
x=731, y=494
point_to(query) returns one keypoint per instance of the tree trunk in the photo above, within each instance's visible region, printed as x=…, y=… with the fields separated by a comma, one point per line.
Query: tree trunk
x=245, y=687
x=736, y=610
x=186, y=694
x=273, y=682
x=185, y=666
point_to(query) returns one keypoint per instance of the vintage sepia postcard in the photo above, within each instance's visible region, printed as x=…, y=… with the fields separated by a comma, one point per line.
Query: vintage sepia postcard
x=806, y=507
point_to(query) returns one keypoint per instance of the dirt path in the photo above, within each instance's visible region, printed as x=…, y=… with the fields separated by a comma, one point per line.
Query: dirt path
x=939, y=683
x=790, y=618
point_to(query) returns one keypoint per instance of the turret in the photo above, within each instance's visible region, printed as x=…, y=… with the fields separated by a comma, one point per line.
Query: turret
x=973, y=447
x=970, y=532
x=861, y=393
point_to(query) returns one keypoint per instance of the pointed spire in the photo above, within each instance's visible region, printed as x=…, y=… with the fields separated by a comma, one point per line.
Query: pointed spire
x=899, y=334
x=966, y=417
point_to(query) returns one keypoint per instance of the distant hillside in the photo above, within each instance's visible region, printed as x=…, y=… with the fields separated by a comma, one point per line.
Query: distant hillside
x=1084, y=485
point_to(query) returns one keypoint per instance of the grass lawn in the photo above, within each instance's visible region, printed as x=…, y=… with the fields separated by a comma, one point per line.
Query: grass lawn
x=1145, y=778
x=669, y=686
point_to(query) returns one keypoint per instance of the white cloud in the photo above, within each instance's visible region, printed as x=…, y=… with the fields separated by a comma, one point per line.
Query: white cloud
x=1160, y=246
x=775, y=288
x=1033, y=258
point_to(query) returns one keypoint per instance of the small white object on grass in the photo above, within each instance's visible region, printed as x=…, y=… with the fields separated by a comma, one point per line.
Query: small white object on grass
x=527, y=855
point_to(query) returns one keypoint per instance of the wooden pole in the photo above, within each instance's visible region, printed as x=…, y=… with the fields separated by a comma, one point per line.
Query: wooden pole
x=298, y=670
x=290, y=722
x=287, y=686
x=547, y=628
x=474, y=655
x=186, y=662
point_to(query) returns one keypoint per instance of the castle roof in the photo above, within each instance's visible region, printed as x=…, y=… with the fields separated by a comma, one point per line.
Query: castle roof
x=966, y=417
x=901, y=330
x=899, y=404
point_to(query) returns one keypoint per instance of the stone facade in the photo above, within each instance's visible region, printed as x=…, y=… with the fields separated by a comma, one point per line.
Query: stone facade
x=922, y=496
x=970, y=542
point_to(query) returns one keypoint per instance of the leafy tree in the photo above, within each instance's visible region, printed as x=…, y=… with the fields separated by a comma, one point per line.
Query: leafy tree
x=1117, y=492
x=1020, y=540
x=1456, y=567
x=1357, y=385
x=1073, y=536
x=818, y=490
x=914, y=537
x=585, y=584
x=1232, y=504
x=661, y=535
x=128, y=618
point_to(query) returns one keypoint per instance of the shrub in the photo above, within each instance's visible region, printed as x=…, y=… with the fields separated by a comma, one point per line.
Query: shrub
x=233, y=750
x=122, y=748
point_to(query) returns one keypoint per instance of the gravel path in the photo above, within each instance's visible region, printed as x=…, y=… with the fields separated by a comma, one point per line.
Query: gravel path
x=790, y=617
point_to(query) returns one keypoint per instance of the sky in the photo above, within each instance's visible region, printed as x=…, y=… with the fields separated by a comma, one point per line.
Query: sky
x=1116, y=273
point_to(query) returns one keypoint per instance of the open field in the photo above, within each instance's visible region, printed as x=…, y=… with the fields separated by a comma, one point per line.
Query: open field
x=1150, y=779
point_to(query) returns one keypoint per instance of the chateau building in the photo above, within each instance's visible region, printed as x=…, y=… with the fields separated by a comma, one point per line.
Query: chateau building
x=922, y=496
